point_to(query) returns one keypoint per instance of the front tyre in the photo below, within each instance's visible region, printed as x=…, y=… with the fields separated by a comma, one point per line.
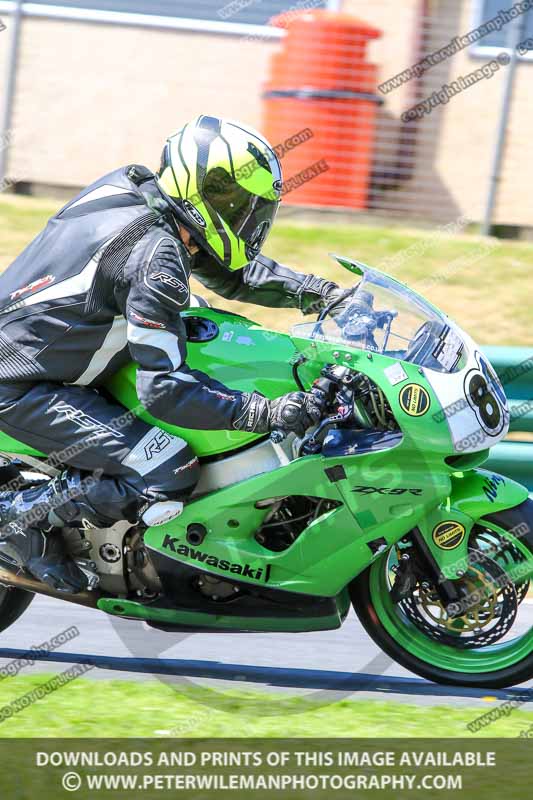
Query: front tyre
x=508, y=662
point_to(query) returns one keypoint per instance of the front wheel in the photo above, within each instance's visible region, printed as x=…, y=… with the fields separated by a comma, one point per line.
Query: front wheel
x=490, y=643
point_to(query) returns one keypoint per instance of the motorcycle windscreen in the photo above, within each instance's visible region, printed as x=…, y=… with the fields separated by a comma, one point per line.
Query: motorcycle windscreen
x=385, y=317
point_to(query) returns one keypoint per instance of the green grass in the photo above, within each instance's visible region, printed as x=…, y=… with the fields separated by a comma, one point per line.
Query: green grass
x=484, y=284
x=86, y=708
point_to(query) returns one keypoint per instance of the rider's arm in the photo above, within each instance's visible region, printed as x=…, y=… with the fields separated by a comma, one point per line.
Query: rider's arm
x=154, y=291
x=265, y=283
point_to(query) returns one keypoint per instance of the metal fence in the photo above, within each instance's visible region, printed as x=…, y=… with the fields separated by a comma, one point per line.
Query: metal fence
x=427, y=117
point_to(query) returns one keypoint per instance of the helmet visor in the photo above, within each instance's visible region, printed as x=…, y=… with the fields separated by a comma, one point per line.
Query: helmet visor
x=249, y=216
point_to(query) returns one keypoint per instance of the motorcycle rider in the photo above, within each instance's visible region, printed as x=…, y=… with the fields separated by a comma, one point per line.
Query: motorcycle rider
x=105, y=283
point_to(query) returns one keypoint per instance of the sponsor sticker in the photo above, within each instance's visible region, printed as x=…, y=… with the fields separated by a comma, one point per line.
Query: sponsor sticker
x=40, y=283
x=395, y=373
x=449, y=349
x=414, y=400
x=156, y=445
x=168, y=280
x=82, y=420
x=173, y=288
x=385, y=490
x=174, y=544
x=192, y=463
x=148, y=323
x=449, y=534
x=491, y=486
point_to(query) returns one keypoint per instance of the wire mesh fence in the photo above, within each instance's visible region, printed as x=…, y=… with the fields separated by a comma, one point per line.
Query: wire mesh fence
x=417, y=110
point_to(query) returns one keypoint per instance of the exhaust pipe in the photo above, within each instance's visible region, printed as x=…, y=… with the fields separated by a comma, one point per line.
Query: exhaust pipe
x=8, y=578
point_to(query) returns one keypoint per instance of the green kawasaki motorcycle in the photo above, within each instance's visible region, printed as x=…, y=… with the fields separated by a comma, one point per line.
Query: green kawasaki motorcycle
x=382, y=505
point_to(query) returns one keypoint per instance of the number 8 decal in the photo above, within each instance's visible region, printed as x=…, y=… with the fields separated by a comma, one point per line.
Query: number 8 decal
x=486, y=397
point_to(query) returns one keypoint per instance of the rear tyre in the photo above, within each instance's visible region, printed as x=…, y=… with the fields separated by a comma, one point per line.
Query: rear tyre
x=13, y=603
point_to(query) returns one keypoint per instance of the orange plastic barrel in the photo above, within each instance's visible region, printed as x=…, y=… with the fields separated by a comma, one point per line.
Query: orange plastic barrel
x=319, y=108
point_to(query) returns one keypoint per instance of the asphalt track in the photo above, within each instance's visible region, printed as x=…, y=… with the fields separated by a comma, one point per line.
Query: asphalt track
x=325, y=666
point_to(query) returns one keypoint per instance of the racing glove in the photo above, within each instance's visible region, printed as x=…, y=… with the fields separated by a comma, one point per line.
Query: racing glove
x=294, y=412
x=315, y=294
x=339, y=296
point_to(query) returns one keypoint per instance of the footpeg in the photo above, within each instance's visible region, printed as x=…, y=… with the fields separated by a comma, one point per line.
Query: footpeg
x=88, y=568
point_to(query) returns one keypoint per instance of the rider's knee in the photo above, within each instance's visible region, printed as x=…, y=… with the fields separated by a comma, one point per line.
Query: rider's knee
x=183, y=473
x=177, y=477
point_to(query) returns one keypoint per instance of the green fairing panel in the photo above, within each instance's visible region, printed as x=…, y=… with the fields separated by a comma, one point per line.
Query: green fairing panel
x=244, y=356
x=430, y=442
x=480, y=492
x=13, y=446
x=197, y=619
x=474, y=494
x=335, y=547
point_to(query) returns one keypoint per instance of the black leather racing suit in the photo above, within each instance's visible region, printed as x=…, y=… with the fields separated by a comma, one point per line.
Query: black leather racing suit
x=105, y=283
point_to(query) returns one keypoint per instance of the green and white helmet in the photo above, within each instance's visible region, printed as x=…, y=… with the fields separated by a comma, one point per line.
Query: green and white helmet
x=224, y=181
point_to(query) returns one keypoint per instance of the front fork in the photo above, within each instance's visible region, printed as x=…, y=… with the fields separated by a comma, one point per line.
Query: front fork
x=441, y=538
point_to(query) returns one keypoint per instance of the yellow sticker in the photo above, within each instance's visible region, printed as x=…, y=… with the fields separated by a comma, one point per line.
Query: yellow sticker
x=414, y=400
x=449, y=535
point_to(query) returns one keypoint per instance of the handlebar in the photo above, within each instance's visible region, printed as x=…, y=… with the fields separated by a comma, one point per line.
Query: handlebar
x=334, y=376
x=343, y=412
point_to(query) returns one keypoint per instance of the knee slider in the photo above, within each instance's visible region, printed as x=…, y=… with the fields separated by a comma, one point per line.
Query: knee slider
x=161, y=512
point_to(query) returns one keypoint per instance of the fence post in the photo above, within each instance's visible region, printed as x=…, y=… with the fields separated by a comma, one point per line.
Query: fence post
x=10, y=83
x=515, y=33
